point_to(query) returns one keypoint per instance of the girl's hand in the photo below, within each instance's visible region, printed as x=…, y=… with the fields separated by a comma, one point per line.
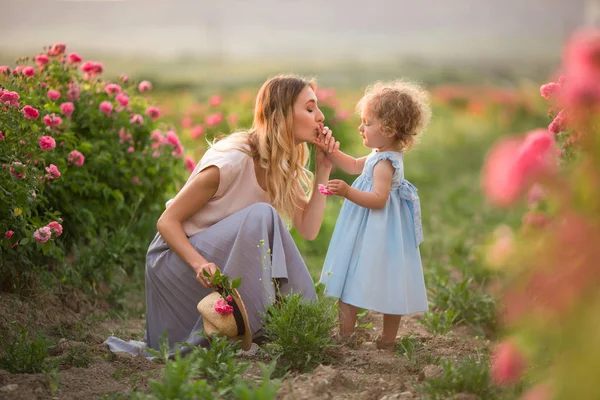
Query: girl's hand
x=338, y=187
x=211, y=268
x=326, y=144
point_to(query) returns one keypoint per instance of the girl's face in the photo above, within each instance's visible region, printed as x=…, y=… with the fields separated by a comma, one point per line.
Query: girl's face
x=370, y=131
x=308, y=118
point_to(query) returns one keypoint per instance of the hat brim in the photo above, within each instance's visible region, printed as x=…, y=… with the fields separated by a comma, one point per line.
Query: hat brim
x=246, y=339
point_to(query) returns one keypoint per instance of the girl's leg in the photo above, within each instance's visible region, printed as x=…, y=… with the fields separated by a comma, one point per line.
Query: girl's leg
x=347, y=318
x=391, y=323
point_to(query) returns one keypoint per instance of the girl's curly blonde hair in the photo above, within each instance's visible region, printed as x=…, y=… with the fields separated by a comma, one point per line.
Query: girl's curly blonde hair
x=401, y=107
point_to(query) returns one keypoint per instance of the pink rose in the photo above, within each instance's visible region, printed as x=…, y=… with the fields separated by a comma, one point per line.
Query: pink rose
x=42, y=235
x=222, y=307
x=550, y=89
x=214, y=119
x=106, y=107
x=55, y=227
x=28, y=71
x=507, y=364
x=153, y=113
x=58, y=49
x=136, y=181
x=9, y=98
x=144, y=86
x=123, y=99
x=67, y=109
x=196, y=131
x=76, y=158
x=2, y=136
x=190, y=164
x=136, y=119
x=74, y=58
x=30, y=112
x=53, y=172
x=559, y=124
x=53, y=94
x=8, y=234
x=47, y=143
x=17, y=170
x=131, y=149
x=215, y=100
x=42, y=60
x=52, y=120
x=323, y=190
x=112, y=88
x=229, y=299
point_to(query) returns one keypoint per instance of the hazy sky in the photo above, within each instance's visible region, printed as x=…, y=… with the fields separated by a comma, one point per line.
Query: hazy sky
x=462, y=28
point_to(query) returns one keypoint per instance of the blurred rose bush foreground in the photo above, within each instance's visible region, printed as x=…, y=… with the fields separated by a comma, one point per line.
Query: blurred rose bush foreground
x=551, y=297
x=84, y=171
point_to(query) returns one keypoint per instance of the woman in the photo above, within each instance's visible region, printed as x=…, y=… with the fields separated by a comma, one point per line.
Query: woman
x=238, y=196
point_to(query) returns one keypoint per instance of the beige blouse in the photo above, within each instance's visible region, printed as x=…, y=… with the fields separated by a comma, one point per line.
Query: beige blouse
x=238, y=188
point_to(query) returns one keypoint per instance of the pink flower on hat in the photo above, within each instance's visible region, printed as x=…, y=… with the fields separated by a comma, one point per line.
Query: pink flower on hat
x=222, y=307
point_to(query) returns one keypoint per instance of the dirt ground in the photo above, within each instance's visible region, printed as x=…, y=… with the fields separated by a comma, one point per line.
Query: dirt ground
x=80, y=328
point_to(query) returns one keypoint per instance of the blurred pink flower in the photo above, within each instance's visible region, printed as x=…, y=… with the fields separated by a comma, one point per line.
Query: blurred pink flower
x=131, y=149
x=213, y=119
x=342, y=115
x=112, y=88
x=514, y=163
x=52, y=120
x=323, y=190
x=42, y=235
x=55, y=227
x=222, y=307
x=144, y=86
x=559, y=124
x=30, y=112
x=136, y=181
x=73, y=92
x=8, y=234
x=535, y=220
x=57, y=49
x=28, y=71
x=550, y=89
x=106, y=107
x=508, y=364
x=196, y=131
x=42, y=60
x=536, y=194
x=2, y=136
x=153, y=112
x=186, y=122
x=136, y=119
x=17, y=170
x=47, y=143
x=4, y=69
x=67, y=109
x=123, y=99
x=9, y=98
x=53, y=94
x=76, y=158
x=232, y=119
x=74, y=58
x=215, y=100
x=53, y=172
x=124, y=78
x=190, y=164
x=124, y=136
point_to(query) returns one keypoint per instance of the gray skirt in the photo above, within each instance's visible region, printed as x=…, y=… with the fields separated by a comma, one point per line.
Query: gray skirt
x=252, y=244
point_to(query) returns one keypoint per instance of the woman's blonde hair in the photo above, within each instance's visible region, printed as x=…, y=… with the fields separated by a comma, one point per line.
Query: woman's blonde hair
x=271, y=142
x=401, y=107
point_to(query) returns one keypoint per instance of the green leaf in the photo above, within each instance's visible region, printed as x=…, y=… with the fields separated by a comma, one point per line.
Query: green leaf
x=24, y=241
x=236, y=283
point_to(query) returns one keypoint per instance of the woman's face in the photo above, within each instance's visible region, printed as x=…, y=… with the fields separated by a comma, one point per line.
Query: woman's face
x=308, y=118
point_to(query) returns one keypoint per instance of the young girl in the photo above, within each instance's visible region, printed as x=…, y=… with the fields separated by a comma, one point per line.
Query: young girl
x=373, y=260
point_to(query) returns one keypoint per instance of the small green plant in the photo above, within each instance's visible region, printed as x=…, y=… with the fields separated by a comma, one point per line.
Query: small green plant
x=23, y=356
x=409, y=347
x=470, y=376
x=439, y=322
x=299, y=330
x=265, y=390
x=468, y=302
x=76, y=356
x=218, y=364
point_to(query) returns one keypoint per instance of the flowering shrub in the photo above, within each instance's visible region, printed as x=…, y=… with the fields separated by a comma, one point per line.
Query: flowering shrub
x=551, y=296
x=81, y=160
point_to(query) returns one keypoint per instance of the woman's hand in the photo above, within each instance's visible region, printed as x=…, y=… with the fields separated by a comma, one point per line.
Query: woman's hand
x=326, y=144
x=338, y=187
x=210, y=268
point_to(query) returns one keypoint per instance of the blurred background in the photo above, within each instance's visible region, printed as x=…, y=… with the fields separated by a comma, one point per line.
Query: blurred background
x=181, y=42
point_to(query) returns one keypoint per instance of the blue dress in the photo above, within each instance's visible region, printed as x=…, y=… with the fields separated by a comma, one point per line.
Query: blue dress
x=373, y=260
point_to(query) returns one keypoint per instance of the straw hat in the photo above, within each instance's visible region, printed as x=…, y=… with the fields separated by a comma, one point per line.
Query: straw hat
x=235, y=325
